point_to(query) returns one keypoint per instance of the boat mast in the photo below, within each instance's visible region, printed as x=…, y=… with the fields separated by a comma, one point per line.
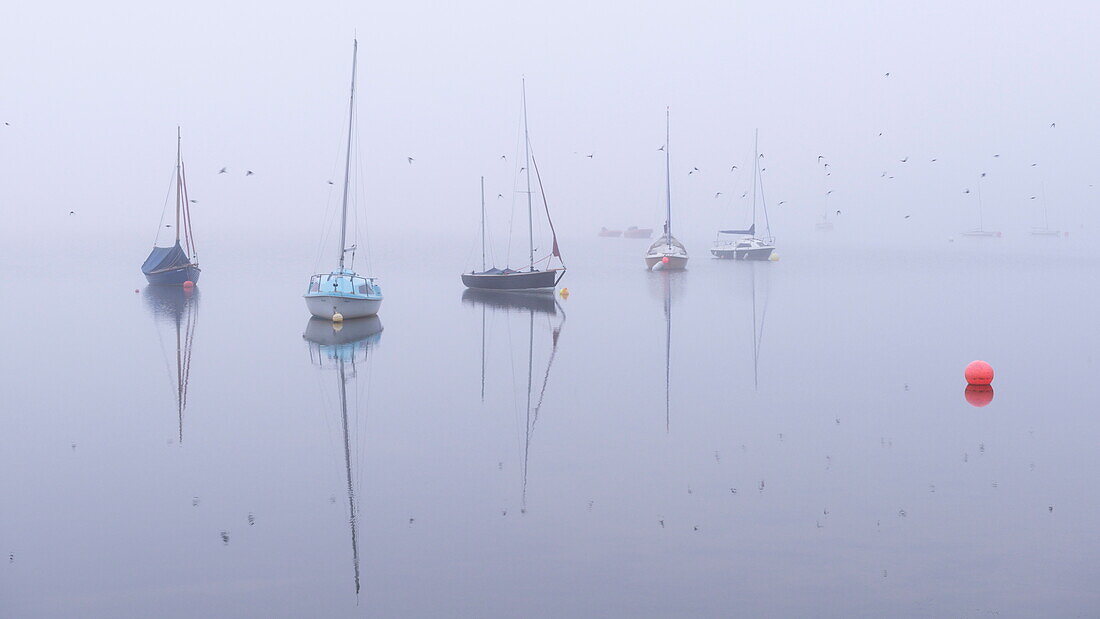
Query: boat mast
x=668, y=185
x=981, y=223
x=483, y=224
x=527, y=160
x=1046, y=220
x=755, y=172
x=347, y=160
x=179, y=181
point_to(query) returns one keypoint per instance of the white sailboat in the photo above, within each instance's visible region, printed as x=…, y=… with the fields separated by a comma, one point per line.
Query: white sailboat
x=980, y=231
x=342, y=293
x=666, y=253
x=750, y=247
x=1045, y=230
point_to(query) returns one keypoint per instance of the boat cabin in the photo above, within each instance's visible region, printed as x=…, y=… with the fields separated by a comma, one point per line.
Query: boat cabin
x=343, y=283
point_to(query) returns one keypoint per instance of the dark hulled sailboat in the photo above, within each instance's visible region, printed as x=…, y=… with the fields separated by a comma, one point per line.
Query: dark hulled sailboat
x=176, y=264
x=529, y=277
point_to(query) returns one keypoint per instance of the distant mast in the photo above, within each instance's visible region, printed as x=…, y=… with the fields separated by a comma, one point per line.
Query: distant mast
x=668, y=184
x=527, y=167
x=483, y=223
x=347, y=159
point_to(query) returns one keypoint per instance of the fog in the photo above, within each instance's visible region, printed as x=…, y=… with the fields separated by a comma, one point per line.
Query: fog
x=93, y=95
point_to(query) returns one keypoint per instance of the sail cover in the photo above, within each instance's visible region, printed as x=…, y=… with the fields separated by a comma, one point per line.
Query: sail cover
x=163, y=258
x=751, y=231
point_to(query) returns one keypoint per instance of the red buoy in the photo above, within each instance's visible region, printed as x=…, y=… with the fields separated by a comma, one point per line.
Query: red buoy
x=665, y=260
x=979, y=395
x=979, y=373
x=188, y=284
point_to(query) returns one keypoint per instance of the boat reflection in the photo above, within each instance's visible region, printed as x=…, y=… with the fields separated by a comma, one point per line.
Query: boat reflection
x=178, y=308
x=759, y=313
x=544, y=306
x=346, y=348
x=663, y=283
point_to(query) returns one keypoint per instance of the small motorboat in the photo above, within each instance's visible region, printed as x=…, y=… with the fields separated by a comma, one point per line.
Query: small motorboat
x=634, y=232
x=610, y=233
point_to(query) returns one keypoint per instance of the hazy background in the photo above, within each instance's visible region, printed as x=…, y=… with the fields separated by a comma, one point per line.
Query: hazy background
x=93, y=95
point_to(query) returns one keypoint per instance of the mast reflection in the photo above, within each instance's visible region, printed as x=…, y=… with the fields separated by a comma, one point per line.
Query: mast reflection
x=545, y=306
x=178, y=307
x=345, y=347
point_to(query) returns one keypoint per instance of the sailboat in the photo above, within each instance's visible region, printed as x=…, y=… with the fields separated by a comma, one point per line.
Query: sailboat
x=751, y=247
x=177, y=264
x=342, y=293
x=341, y=346
x=666, y=253
x=1045, y=229
x=534, y=306
x=179, y=307
x=980, y=231
x=526, y=278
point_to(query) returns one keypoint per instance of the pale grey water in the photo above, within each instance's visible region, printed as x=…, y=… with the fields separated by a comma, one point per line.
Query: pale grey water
x=865, y=484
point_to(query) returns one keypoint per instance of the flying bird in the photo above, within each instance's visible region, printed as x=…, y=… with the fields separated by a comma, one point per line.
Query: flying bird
x=887, y=74
x=906, y=217
x=838, y=212
x=782, y=202
x=744, y=194
x=662, y=147
x=589, y=155
x=983, y=175
x=717, y=194
x=504, y=158
x=966, y=191
x=500, y=195
x=410, y=160
x=193, y=201
x=820, y=157
x=522, y=169
x=933, y=161
x=732, y=168
x=1031, y=198
x=223, y=170
x=249, y=173
x=1051, y=125
x=72, y=212
x=331, y=183
x=829, y=192
x=1034, y=164
x=905, y=160
x=996, y=156
x=826, y=164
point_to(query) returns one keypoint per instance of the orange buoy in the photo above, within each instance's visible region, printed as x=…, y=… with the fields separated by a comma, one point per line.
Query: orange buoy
x=979, y=373
x=665, y=260
x=978, y=395
x=188, y=284
x=564, y=293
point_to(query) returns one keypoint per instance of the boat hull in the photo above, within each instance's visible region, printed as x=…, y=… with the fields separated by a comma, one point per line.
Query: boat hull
x=325, y=306
x=724, y=253
x=174, y=277
x=755, y=253
x=675, y=263
x=526, y=280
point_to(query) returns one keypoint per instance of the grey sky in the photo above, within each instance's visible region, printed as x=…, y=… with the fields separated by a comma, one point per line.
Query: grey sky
x=93, y=94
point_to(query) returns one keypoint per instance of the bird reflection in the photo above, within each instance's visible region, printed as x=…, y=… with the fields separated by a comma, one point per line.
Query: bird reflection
x=178, y=307
x=545, y=306
x=345, y=347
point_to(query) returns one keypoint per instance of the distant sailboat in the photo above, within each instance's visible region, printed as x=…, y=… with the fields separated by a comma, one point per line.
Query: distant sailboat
x=666, y=253
x=1045, y=230
x=529, y=277
x=751, y=247
x=177, y=264
x=342, y=293
x=340, y=346
x=179, y=307
x=980, y=231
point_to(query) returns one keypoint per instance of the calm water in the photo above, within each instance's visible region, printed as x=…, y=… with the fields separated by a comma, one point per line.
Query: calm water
x=783, y=438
